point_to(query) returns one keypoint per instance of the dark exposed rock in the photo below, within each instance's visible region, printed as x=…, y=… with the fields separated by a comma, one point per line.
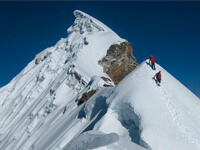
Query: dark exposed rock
x=86, y=96
x=38, y=60
x=47, y=55
x=119, y=61
x=107, y=85
x=105, y=79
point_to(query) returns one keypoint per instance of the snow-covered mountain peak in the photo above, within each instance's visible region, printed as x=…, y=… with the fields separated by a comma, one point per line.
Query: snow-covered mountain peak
x=45, y=93
x=85, y=24
x=66, y=99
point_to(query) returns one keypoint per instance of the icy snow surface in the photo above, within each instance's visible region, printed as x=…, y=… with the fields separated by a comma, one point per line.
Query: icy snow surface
x=38, y=109
x=99, y=141
x=163, y=117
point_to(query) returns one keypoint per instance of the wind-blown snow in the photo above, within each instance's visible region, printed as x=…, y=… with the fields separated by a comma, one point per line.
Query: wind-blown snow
x=38, y=109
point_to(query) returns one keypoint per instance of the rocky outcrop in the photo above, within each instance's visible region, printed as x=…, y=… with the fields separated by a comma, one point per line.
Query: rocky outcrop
x=119, y=61
x=38, y=60
x=86, y=96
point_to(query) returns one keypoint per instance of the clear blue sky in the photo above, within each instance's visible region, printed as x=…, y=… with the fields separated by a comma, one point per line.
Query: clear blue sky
x=168, y=30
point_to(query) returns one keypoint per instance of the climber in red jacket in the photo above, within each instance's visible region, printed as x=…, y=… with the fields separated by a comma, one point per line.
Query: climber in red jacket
x=158, y=77
x=152, y=61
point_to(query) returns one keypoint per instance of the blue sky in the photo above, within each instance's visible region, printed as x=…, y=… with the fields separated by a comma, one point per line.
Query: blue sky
x=168, y=30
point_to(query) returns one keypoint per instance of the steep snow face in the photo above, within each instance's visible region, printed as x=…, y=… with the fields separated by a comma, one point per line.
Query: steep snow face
x=87, y=23
x=90, y=40
x=97, y=140
x=156, y=117
x=38, y=101
x=137, y=110
x=38, y=109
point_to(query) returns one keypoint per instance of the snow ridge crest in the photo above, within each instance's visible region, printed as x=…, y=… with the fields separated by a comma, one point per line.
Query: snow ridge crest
x=85, y=23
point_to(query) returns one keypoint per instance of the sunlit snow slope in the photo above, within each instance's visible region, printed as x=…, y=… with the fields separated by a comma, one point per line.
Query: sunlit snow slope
x=160, y=118
x=38, y=109
x=156, y=117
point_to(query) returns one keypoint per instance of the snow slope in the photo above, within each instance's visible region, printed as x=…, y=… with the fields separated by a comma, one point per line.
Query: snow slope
x=98, y=141
x=42, y=95
x=160, y=118
x=38, y=109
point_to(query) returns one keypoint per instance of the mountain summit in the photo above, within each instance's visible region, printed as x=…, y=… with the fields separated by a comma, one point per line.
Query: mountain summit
x=88, y=92
x=37, y=104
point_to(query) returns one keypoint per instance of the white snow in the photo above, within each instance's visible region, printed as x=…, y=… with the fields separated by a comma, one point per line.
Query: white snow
x=100, y=141
x=38, y=109
x=166, y=117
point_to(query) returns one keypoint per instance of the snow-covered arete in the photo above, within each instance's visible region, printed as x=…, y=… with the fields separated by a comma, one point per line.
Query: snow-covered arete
x=45, y=91
x=38, y=109
x=157, y=117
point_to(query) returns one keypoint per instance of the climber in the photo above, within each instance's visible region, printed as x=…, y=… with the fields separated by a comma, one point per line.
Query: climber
x=158, y=78
x=152, y=61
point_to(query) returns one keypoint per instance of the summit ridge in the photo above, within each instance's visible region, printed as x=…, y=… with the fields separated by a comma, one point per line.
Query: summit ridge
x=88, y=92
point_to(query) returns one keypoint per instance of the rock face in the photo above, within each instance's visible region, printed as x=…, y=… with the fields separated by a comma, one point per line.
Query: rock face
x=119, y=61
x=38, y=60
x=86, y=96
